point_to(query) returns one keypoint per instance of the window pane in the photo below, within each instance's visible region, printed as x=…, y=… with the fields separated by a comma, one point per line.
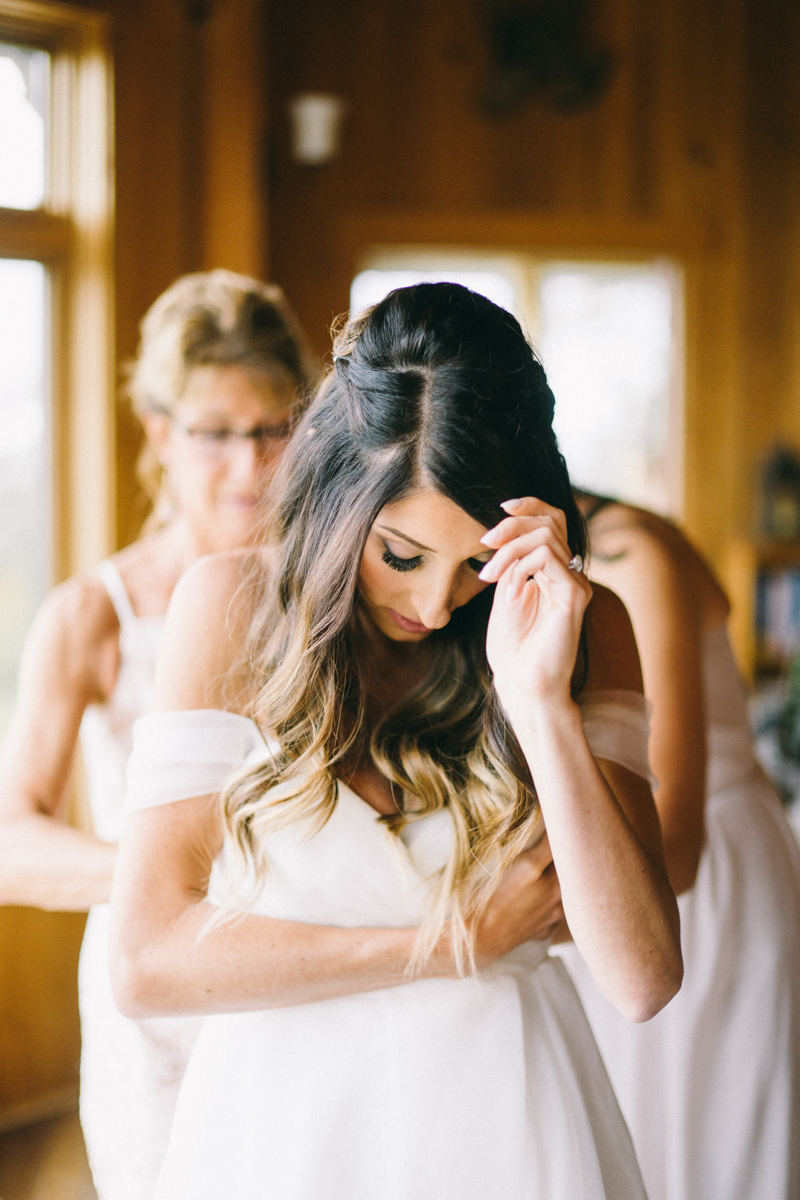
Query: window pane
x=25, y=541
x=369, y=287
x=24, y=83
x=607, y=337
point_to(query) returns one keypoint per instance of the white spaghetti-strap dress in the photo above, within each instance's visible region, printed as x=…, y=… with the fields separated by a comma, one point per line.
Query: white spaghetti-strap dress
x=130, y=1070
x=711, y=1086
x=484, y=1088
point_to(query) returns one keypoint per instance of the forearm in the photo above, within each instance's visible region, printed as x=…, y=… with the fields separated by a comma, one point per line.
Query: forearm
x=682, y=857
x=616, y=898
x=47, y=864
x=255, y=962
x=680, y=801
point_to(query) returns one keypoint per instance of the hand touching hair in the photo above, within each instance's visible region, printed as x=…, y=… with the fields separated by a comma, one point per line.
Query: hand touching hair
x=435, y=387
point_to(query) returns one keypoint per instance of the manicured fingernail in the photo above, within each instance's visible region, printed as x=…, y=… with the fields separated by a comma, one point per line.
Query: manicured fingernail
x=482, y=574
x=511, y=504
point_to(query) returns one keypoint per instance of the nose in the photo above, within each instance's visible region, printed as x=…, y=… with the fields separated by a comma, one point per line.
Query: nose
x=246, y=463
x=436, y=603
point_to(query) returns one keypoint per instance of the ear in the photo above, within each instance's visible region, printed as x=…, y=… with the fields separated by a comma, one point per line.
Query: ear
x=158, y=431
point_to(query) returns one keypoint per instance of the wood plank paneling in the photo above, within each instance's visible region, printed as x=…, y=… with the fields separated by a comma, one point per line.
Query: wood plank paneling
x=661, y=151
x=39, y=1029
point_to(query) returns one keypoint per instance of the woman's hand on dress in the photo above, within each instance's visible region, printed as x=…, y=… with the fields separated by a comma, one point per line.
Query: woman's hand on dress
x=526, y=906
x=538, y=608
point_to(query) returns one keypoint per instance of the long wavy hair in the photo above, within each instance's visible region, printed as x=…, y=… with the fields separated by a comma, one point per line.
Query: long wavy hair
x=434, y=387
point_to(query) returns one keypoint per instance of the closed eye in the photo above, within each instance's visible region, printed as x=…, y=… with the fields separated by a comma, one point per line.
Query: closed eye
x=477, y=564
x=400, y=564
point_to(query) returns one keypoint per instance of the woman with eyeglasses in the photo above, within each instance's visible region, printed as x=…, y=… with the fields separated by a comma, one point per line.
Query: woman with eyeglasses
x=220, y=370
x=337, y=807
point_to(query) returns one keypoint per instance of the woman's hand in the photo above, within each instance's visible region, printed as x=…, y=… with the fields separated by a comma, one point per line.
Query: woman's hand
x=535, y=625
x=526, y=906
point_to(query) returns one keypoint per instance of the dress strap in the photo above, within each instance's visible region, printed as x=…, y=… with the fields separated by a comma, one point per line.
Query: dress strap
x=117, y=592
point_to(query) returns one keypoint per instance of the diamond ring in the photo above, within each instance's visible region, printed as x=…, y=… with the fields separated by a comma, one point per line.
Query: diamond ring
x=575, y=563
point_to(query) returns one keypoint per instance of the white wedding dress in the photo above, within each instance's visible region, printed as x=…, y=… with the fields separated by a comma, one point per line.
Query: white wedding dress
x=130, y=1070
x=711, y=1086
x=484, y=1088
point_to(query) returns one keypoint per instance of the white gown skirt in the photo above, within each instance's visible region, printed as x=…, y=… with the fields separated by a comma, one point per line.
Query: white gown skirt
x=484, y=1088
x=711, y=1086
x=131, y=1073
x=475, y=1089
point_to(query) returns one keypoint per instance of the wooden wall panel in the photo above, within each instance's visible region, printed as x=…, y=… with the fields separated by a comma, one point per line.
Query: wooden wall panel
x=190, y=164
x=664, y=146
x=39, y=1030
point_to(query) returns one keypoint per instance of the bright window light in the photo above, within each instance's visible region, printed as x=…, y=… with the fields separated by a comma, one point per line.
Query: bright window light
x=25, y=542
x=369, y=287
x=606, y=335
x=24, y=78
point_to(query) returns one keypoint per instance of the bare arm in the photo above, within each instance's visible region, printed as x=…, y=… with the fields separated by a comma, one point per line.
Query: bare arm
x=668, y=609
x=606, y=844
x=602, y=824
x=159, y=961
x=43, y=862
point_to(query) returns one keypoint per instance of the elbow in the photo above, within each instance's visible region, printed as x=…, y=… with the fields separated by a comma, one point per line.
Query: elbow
x=682, y=857
x=682, y=881
x=653, y=991
x=136, y=984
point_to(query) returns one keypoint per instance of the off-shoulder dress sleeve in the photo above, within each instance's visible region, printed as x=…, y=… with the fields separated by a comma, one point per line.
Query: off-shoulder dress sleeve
x=178, y=755
x=617, y=728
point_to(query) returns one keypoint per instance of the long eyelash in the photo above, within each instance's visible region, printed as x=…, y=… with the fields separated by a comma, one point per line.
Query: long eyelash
x=400, y=564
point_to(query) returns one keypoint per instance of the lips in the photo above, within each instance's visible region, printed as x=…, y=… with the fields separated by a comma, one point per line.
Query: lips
x=404, y=623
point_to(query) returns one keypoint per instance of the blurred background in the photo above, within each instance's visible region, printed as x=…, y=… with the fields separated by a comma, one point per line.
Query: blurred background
x=623, y=175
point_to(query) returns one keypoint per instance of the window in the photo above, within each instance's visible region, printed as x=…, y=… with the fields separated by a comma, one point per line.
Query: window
x=610, y=337
x=56, y=352
x=25, y=461
x=24, y=86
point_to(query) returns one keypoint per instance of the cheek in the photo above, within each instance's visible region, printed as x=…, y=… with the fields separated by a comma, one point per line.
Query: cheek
x=376, y=579
x=194, y=481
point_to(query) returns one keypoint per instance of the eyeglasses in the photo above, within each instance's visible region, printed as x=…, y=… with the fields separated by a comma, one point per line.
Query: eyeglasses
x=222, y=442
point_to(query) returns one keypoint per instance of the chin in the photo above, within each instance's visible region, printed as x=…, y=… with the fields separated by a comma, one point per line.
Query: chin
x=234, y=536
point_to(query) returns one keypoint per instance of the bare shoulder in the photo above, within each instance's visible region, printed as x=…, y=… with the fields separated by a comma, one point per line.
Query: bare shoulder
x=612, y=656
x=205, y=637
x=648, y=559
x=76, y=632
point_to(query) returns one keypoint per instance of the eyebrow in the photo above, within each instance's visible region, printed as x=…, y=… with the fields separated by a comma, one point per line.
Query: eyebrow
x=419, y=545
x=406, y=538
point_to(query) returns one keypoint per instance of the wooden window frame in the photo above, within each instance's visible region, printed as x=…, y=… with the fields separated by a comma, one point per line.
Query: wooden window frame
x=72, y=234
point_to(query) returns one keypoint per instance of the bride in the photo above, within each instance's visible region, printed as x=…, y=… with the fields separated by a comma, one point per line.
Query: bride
x=336, y=844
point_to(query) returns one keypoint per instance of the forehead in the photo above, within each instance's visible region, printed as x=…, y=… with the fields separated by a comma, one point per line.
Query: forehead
x=434, y=521
x=234, y=391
